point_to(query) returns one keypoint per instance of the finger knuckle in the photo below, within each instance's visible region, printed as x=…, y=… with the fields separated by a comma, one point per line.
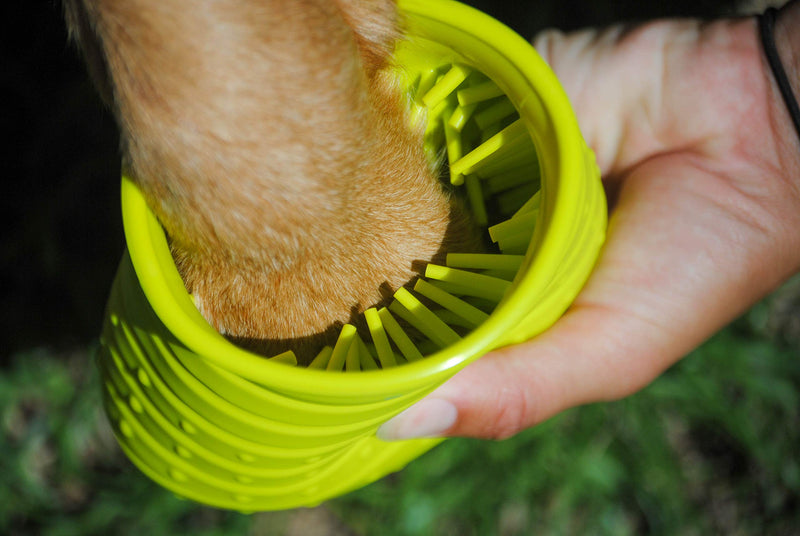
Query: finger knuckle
x=516, y=413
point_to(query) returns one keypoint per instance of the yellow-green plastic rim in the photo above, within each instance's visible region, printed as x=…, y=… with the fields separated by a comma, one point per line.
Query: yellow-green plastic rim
x=532, y=86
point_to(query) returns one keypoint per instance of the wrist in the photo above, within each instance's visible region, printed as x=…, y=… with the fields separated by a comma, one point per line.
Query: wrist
x=787, y=42
x=787, y=45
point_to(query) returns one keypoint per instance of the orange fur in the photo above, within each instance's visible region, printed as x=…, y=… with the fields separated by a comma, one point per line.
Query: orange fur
x=274, y=148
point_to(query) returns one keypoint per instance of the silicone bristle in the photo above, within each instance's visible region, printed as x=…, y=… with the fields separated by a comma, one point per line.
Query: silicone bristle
x=485, y=261
x=367, y=360
x=428, y=347
x=450, y=288
x=322, y=358
x=455, y=150
x=512, y=200
x=340, y=349
x=521, y=156
x=452, y=319
x=500, y=274
x=476, y=200
x=286, y=358
x=424, y=320
x=517, y=243
x=479, y=92
x=437, y=113
x=434, y=133
x=511, y=179
x=352, y=362
x=491, y=130
x=516, y=151
x=471, y=160
x=472, y=315
x=382, y=346
x=513, y=176
x=426, y=81
x=496, y=112
x=513, y=226
x=487, y=306
x=400, y=338
x=460, y=116
x=423, y=344
x=478, y=285
x=531, y=205
x=400, y=359
x=446, y=85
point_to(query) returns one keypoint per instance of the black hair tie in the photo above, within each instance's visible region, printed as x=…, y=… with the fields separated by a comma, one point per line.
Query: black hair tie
x=766, y=27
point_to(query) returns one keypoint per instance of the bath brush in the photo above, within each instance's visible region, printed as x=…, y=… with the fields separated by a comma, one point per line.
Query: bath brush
x=225, y=427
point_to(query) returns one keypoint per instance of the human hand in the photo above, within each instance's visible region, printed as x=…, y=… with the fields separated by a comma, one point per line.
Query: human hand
x=702, y=169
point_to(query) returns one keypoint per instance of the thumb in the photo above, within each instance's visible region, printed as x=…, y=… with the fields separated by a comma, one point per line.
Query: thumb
x=517, y=387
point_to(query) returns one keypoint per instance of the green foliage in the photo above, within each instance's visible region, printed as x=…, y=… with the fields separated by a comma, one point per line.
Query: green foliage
x=62, y=472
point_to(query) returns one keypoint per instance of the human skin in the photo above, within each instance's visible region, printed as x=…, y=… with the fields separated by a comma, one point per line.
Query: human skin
x=701, y=164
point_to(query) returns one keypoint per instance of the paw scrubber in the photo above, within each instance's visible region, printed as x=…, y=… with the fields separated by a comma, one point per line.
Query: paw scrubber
x=222, y=426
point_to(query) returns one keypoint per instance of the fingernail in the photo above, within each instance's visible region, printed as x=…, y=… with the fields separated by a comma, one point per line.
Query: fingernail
x=431, y=417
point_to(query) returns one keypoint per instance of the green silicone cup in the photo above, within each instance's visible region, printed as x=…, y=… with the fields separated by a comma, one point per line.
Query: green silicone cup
x=229, y=428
